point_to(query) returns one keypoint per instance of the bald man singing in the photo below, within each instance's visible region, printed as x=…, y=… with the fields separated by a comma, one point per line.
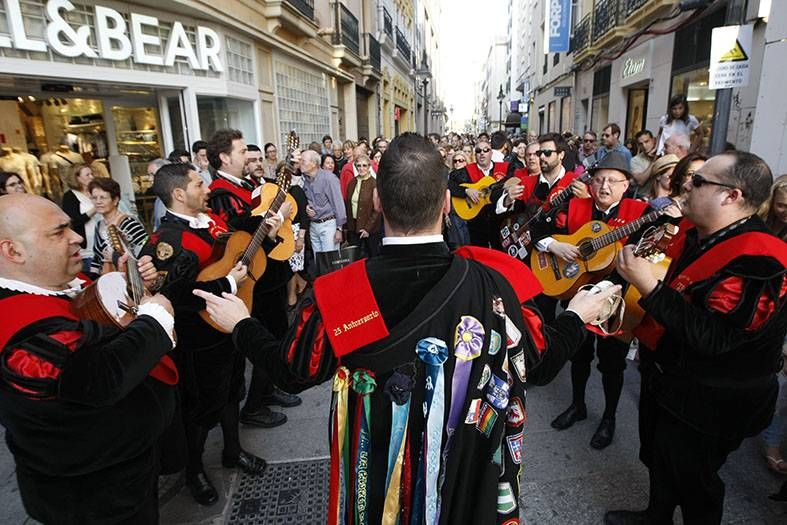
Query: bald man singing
x=83, y=404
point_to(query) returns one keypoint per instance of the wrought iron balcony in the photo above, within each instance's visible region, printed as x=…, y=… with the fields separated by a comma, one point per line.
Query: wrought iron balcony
x=402, y=46
x=607, y=15
x=304, y=7
x=373, y=52
x=387, y=24
x=347, y=35
x=581, y=39
x=633, y=5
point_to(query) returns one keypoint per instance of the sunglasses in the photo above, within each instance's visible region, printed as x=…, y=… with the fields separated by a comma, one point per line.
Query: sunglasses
x=361, y=165
x=588, y=141
x=601, y=182
x=546, y=152
x=457, y=161
x=483, y=150
x=699, y=181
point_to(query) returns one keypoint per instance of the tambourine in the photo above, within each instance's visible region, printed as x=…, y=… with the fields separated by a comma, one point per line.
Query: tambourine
x=615, y=307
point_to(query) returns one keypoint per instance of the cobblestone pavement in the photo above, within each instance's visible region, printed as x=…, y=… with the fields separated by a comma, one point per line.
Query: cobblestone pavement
x=564, y=482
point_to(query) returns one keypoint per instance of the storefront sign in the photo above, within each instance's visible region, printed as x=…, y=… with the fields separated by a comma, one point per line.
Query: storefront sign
x=558, y=24
x=114, y=38
x=563, y=91
x=730, y=52
x=633, y=67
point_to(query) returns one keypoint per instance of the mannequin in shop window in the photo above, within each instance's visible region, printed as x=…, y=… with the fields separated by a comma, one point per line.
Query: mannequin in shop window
x=32, y=169
x=58, y=165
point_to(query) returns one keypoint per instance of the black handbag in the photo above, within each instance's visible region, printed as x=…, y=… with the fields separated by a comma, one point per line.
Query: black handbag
x=328, y=262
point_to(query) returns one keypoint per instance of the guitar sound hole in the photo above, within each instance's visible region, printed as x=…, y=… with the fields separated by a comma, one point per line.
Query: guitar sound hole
x=586, y=250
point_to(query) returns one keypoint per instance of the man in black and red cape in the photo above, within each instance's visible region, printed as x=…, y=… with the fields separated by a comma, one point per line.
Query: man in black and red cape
x=710, y=344
x=429, y=352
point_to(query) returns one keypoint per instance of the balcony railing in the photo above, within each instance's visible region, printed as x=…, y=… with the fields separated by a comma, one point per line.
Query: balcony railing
x=581, y=39
x=373, y=50
x=347, y=35
x=402, y=45
x=607, y=15
x=633, y=5
x=304, y=7
x=387, y=23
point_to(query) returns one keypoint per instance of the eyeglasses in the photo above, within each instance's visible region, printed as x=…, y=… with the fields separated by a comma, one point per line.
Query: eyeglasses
x=546, y=152
x=483, y=150
x=361, y=165
x=600, y=182
x=698, y=181
x=457, y=161
x=588, y=141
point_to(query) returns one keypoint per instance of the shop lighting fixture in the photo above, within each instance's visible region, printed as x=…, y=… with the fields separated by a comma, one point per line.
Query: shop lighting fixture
x=31, y=98
x=20, y=99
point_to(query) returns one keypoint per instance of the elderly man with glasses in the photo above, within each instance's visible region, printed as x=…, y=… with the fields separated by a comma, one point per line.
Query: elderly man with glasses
x=609, y=182
x=483, y=228
x=710, y=344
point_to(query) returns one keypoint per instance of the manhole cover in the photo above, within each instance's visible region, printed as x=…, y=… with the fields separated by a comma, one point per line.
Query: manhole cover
x=295, y=492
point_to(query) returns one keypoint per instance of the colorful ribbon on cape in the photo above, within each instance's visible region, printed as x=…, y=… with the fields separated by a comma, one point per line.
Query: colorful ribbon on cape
x=363, y=385
x=433, y=352
x=339, y=448
x=398, y=387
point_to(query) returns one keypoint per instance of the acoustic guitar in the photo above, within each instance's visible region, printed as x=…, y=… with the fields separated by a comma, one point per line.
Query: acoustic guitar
x=113, y=298
x=651, y=247
x=598, y=246
x=268, y=194
x=515, y=236
x=468, y=210
x=246, y=248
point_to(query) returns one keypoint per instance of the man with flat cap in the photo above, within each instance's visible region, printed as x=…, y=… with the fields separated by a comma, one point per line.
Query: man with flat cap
x=610, y=181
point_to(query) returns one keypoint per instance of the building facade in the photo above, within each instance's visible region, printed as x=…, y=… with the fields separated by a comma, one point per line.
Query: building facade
x=608, y=78
x=126, y=83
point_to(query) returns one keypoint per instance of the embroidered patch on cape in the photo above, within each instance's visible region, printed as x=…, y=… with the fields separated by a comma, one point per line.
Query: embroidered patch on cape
x=486, y=373
x=518, y=360
x=506, y=501
x=495, y=342
x=474, y=412
x=516, y=415
x=497, y=392
x=486, y=420
x=515, y=447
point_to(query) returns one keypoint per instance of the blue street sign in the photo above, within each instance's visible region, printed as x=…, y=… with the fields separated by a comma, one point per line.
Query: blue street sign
x=558, y=26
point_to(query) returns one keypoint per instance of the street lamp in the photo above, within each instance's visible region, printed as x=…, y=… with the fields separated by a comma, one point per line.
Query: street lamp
x=500, y=97
x=424, y=74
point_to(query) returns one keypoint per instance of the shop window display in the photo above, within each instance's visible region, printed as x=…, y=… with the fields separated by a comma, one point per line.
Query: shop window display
x=694, y=86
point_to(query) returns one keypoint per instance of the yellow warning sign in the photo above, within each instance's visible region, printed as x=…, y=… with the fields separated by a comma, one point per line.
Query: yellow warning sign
x=736, y=54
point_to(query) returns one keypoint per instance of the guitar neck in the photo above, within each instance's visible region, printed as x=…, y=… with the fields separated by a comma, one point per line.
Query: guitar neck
x=263, y=229
x=625, y=230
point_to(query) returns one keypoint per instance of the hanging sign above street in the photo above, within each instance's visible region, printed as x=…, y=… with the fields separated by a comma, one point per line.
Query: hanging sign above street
x=730, y=56
x=557, y=36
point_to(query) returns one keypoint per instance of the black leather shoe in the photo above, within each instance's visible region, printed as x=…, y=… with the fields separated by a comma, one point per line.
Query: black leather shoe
x=265, y=418
x=248, y=463
x=626, y=517
x=604, y=433
x=282, y=399
x=571, y=415
x=202, y=489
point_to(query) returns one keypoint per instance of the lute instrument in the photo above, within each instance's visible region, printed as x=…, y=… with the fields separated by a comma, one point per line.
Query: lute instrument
x=114, y=297
x=652, y=247
x=468, y=210
x=598, y=246
x=247, y=249
x=515, y=236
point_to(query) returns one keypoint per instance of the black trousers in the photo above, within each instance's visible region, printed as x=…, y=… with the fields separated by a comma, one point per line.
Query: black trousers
x=683, y=464
x=370, y=246
x=611, y=363
x=270, y=308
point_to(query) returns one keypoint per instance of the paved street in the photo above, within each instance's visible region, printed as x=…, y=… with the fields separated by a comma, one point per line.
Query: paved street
x=565, y=481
